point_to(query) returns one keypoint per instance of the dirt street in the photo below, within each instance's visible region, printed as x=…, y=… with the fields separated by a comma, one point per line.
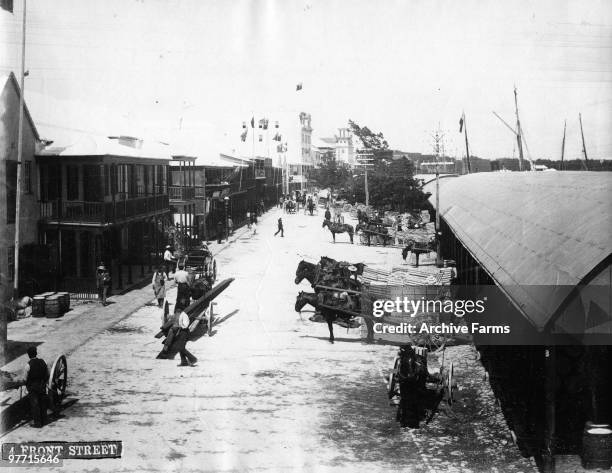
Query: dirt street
x=269, y=393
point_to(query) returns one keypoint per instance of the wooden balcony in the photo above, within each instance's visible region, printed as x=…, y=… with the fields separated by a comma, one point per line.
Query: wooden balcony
x=180, y=193
x=102, y=213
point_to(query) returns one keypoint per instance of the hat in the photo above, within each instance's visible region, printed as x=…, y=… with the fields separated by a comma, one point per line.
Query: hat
x=168, y=247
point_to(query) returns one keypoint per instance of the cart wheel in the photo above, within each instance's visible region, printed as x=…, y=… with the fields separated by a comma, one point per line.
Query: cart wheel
x=392, y=384
x=449, y=384
x=58, y=380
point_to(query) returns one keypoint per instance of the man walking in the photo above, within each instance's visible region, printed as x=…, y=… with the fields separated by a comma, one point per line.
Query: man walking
x=183, y=280
x=280, y=228
x=103, y=283
x=36, y=375
x=182, y=336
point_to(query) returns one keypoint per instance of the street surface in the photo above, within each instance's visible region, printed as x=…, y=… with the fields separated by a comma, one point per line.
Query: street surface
x=269, y=393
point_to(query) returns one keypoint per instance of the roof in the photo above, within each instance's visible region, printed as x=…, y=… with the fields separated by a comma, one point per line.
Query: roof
x=97, y=145
x=531, y=229
x=216, y=160
x=10, y=78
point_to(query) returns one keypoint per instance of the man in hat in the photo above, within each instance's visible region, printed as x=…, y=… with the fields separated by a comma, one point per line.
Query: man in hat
x=103, y=283
x=169, y=259
x=35, y=377
x=280, y=228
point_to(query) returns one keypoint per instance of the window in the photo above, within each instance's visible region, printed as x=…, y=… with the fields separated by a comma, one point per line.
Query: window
x=10, y=263
x=27, y=177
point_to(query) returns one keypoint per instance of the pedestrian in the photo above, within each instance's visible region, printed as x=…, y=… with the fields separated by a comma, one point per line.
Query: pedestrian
x=183, y=281
x=35, y=377
x=159, y=285
x=230, y=225
x=219, y=231
x=249, y=221
x=103, y=283
x=327, y=214
x=254, y=228
x=181, y=329
x=169, y=259
x=280, y=228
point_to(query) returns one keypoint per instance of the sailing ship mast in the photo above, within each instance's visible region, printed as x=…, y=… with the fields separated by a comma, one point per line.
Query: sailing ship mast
x=519, y=132
x=586, y=159
x=563, y=144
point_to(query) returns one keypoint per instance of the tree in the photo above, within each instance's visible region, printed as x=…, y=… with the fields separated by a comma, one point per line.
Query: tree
x=331, y=174
x=390, y=181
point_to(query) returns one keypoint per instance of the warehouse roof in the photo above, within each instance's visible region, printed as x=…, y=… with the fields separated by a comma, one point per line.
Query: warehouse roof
x=530, y=229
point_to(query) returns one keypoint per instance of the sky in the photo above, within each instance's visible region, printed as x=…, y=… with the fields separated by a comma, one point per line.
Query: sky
x=192, y=71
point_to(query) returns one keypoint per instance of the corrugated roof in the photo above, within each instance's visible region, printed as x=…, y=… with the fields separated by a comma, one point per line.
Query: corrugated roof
x=531, y=229
x=95, y=145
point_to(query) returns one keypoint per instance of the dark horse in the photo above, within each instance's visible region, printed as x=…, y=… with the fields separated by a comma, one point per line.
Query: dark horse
x=329, y=315
x=413, y=392
x=338, y=228
x=306, y=270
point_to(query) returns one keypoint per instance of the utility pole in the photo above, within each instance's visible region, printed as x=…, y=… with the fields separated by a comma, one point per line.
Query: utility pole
x=438, y=136
x=586, y=159
x=19, y=157
x=563, y=144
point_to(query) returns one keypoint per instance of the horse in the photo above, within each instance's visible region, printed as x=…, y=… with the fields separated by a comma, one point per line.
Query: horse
x=412, y=377
x=413, y=247
x=338, y=228
x=306, y=270
x=376, y=232
x=330, y=315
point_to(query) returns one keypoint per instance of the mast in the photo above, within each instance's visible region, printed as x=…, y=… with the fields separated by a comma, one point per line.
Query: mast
x=563, y=144
x=519, y=132
x=463, y=124
x=586, y=159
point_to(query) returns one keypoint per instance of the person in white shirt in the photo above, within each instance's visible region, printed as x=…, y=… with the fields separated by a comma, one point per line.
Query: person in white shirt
x=183, y=281
x=169, y=259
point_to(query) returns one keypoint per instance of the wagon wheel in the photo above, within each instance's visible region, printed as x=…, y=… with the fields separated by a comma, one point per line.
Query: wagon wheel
x=58, y=380
x=392, y=384
x=449, y=384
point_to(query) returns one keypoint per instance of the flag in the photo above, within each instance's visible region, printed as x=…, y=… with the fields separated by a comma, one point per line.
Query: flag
x=298, y=87
x=253, y=122
x=460, y=124
x=7, y=5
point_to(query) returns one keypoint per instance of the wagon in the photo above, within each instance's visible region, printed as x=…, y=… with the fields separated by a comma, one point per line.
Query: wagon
x=56, y=385
x=202, y=264
x=415, y=389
